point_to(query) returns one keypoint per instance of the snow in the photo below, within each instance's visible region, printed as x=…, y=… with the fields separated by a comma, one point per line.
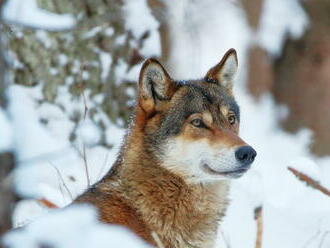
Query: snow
x=109, y=31
x=133, y=73
x=22, y=111
x=138, y=17
x=50, y=167
x=306, y=166
x=92, y=32
x=139, y=20
x=42, y=150
x=106, y=61
x=120, y=70
x=120, y=40
x=42, y=36
x=75, y=226
x=279, y=19
x=89, y=133
x=62, y=59
x=28, y=13
x=194, y=38
x=6, y=132
x=151, y=46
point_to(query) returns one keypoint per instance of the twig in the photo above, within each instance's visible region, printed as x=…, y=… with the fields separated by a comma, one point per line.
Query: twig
x=259, y=220
x=100, y=174
x=82, y=90
x=47, y=203
x=225, y=238
x=86, y=166
x=312, y=238
x=85, y=104
x=309, y=181
x=62, y=180
x=325, y=234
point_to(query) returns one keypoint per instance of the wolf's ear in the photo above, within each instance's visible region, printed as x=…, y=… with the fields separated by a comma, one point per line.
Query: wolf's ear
x=224, y=72
x=154, y=85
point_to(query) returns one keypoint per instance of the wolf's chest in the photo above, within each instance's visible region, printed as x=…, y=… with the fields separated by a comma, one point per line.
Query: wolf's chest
x=186, y=226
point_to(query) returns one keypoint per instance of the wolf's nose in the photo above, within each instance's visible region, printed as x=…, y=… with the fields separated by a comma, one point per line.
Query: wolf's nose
x=245, y=155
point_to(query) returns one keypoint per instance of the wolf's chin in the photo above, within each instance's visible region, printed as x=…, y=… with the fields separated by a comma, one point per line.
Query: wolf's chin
x=236, y=173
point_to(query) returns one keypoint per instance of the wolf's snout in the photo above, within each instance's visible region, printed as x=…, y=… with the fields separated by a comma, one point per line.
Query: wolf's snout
x=245, y=155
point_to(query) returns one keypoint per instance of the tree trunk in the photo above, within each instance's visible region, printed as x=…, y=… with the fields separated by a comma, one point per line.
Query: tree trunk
x=7, y=194
x=299, y=78
x=303, y=80
x=260, y=65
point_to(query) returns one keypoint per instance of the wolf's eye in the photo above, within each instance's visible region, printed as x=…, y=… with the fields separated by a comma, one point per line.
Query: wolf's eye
x=232, y=119
x=197, y=123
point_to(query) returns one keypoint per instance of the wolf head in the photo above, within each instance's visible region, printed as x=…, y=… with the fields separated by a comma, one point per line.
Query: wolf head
x=191, y=126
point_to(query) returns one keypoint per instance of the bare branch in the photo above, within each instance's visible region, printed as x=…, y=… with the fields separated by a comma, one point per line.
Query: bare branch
x=312, y=238
x=86, y=166
x=47, y=203
x=225, y=238
x=259, y=220
x=62, y=180
x=325, y=234
x=309, y=181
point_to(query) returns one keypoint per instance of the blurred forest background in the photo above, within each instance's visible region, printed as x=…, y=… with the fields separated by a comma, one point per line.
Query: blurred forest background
x=68, y=73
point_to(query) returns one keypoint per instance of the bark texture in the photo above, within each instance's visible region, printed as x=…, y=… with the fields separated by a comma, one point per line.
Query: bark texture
x=302, y=79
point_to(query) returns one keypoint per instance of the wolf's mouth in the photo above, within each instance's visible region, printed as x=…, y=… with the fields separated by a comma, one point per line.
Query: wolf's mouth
x=236, y=172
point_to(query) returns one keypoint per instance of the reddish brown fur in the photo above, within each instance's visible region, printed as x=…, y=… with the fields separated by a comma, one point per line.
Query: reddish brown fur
x=214, y=135
x=160, y=202
x=144, y=196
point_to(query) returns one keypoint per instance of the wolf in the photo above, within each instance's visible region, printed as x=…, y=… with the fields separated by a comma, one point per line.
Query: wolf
x=171, y=178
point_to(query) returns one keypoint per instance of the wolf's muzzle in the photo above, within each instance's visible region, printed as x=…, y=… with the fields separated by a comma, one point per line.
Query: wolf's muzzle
x=245, y=155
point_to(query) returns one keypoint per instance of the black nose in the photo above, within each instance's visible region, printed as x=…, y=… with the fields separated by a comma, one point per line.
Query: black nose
x=245, y=155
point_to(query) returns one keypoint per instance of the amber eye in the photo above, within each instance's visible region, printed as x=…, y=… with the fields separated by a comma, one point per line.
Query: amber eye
x=232, y=119
x=198, y=123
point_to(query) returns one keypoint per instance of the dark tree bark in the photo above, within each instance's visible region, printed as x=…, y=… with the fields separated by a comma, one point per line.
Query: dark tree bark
x=302, y=78
x=299, y=78
x=260, y=64
x=8, y=197
x=7, y=194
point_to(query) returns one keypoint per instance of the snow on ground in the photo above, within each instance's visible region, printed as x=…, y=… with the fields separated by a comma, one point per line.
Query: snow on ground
x=59, y=229
x=56, y=169
x=52, y=168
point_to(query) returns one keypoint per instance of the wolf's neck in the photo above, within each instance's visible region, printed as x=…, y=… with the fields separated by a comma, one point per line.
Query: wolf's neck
x=142, y=173
x=175, y=210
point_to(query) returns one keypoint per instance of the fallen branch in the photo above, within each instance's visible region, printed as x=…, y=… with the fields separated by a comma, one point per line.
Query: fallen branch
x=309, y=181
